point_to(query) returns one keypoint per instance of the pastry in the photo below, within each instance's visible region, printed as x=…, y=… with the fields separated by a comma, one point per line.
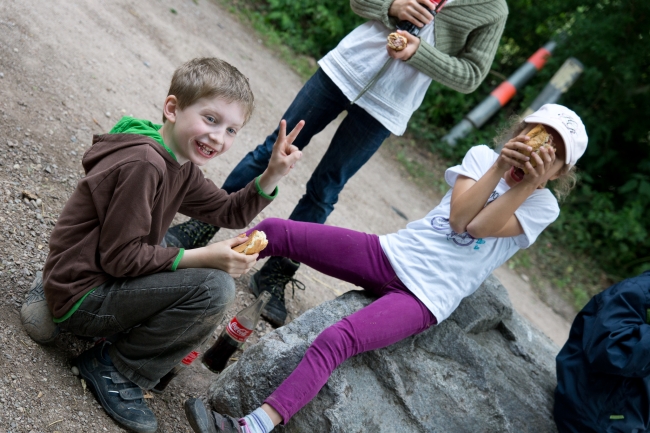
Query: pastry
x=256, y=242
x=397, y=41
x=539, y=139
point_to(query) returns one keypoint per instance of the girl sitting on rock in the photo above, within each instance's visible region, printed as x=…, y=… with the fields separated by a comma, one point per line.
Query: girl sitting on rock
x=497, y=204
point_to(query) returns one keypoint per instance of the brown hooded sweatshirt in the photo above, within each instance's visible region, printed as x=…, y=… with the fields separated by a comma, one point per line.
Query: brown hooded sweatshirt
x=112, y=225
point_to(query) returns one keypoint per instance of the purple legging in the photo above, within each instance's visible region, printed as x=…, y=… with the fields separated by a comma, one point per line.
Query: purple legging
x=358, y=259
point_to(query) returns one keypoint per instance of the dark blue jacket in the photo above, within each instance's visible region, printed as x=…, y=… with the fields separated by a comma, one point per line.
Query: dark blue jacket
x=603, y=371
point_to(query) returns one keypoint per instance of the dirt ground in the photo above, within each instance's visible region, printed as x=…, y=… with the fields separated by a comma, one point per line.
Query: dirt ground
x=72, y=69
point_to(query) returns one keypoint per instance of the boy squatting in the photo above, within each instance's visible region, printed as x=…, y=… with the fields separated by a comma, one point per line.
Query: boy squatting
x=106, y=274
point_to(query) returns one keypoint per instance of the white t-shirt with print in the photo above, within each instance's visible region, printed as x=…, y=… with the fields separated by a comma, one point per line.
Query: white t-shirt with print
x=357, y=59
x=441, y=267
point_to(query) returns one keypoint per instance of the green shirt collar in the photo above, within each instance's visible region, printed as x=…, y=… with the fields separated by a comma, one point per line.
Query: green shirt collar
x=131, y=125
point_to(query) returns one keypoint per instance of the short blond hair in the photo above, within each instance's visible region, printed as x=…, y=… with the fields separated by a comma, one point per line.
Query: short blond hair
x=209, y=77
x=568, y=177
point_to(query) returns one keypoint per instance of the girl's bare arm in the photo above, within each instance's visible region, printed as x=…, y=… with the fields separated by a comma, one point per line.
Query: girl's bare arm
x=468, y=211
x=498, y=219
x=469, y=197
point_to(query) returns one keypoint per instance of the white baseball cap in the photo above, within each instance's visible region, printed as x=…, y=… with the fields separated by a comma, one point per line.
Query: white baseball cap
x=568, y=124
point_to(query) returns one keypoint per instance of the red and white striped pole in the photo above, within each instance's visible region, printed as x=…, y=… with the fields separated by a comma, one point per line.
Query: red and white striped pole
x=501, y=95
x=559, y=84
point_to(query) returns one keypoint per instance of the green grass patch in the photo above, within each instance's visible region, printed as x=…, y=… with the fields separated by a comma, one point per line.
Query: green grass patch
x=575, y=277
x=303, y=65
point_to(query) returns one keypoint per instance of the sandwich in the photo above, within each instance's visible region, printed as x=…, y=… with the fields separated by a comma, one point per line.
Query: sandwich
x=256, y=242
x=539, y=139
x=397, y=41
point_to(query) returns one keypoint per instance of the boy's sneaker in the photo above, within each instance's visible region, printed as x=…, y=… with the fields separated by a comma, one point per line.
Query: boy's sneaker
x=36, y=316
x=190, y=234
x=122, y=399
x=276, y=273
x=204, y=421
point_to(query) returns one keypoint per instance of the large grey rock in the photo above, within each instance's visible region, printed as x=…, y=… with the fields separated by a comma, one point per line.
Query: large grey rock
x=482, y=370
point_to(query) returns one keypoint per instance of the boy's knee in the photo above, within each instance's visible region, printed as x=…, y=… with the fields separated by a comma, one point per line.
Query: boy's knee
x=220, y=291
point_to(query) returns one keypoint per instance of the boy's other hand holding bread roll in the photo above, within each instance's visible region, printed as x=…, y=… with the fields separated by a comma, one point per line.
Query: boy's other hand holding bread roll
x=256, y=242
x=220, y=255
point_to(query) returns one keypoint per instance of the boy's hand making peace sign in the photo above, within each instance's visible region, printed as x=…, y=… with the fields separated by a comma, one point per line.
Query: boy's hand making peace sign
x=220, y=254
x=283, y=158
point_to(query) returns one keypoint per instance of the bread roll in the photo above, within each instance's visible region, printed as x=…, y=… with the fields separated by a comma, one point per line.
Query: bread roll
x=256, y=242
x=539, y=139
x=397, y=41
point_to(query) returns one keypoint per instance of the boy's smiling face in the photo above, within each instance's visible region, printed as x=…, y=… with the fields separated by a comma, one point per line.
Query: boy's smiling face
x=203, y=130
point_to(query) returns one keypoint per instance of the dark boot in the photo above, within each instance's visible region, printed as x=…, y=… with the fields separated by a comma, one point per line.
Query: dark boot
x=190, y=234
x=273, y=277
x=122, y=399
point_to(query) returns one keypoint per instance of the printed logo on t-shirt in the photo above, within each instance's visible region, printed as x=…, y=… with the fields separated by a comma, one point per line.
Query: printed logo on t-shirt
x=441, y=224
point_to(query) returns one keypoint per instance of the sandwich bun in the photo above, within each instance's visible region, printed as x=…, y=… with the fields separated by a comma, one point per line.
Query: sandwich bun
x=256, y=242
x=397, y=41
x=539, y=139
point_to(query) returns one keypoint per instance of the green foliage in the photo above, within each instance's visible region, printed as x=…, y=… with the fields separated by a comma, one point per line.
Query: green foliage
x=576, y=275
x=520, y=260
x=605, y=216
x=591, y=222
x=307, y=26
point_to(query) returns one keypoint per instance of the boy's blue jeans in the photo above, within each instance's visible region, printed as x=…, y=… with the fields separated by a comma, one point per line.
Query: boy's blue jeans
x=358, y=137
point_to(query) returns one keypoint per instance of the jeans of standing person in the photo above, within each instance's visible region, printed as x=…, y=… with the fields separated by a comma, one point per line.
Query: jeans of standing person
x=357, y=258
x=358, y=137
x=158, y=318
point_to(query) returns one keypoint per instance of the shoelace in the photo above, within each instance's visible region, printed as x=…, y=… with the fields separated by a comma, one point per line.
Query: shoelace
x=295, y=284
x=279, y=280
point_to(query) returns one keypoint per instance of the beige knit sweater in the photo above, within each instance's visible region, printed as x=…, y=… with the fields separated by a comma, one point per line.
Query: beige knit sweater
x=467, y=34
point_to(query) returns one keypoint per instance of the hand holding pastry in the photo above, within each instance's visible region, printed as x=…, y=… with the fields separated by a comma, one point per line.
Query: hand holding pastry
x=256, y=242
x=397, y=42
x=539, y=139
x=399, y=50
x=220, y=255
